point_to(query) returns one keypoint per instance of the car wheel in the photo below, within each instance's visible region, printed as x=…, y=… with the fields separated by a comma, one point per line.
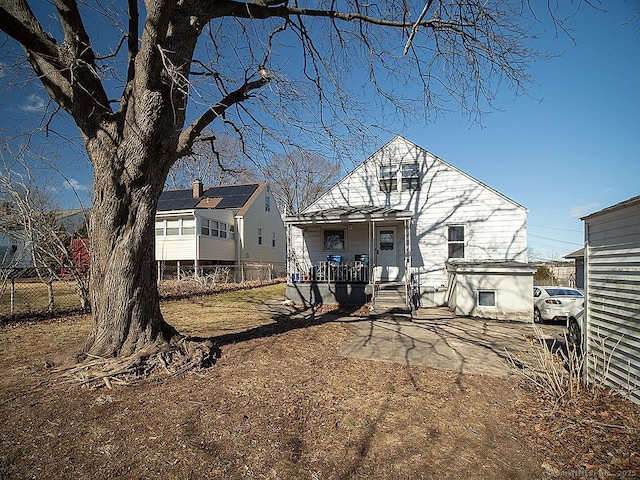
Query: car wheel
x=573, y=334
x=537, y=318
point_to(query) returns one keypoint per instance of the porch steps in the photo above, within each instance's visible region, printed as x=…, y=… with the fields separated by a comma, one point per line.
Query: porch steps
x=390, y=300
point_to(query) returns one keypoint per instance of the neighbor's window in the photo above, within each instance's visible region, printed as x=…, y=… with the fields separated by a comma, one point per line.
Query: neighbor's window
x=273, y=239
x=410, y=176
x=205, y=226
x=456, y=241
x=260, y=236
x=486, y=298
x=223, y=230
x=232, y=232
x=267, y=203
x=173, y=227
x=188, y=226
x=388, y=179
x=333, y=239
x=159, y=228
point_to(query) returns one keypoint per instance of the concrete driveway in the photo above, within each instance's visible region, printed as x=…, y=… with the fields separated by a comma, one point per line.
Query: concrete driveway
x=439, y=339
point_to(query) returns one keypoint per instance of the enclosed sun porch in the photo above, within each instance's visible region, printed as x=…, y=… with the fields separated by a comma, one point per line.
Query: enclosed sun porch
x=349, y=256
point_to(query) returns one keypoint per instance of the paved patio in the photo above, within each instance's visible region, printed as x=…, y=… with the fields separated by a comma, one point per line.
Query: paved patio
x=439, y=339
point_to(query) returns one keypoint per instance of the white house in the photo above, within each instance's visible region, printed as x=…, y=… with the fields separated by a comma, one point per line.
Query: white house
x=234, y=225
x=407, y=224
x=612, y=288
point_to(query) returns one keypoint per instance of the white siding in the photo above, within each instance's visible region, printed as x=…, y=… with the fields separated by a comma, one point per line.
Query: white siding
x=495, y=226
x=270, y=221
x=613, y=297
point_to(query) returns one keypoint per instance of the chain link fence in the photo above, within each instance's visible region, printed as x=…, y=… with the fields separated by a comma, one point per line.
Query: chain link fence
x=25, y=293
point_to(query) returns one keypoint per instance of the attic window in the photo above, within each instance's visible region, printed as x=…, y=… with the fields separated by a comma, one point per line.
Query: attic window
x=410, y=176
x=388, y=178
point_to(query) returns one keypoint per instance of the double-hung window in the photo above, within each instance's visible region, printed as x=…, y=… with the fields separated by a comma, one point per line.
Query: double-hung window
x=260, y=236
x=455, y=241
x=388, y=178
x=410, y=176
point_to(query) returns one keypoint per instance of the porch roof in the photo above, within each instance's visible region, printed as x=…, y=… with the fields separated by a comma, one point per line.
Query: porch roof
x=349, y=215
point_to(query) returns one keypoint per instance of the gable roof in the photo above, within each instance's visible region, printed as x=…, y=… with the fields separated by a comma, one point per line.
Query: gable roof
x=220, y=197
x=400, y=138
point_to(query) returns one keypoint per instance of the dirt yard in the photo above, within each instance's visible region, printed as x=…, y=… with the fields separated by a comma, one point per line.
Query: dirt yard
x=282, y=403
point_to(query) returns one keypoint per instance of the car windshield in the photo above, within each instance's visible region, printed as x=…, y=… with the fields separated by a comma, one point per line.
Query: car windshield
x=565, y=292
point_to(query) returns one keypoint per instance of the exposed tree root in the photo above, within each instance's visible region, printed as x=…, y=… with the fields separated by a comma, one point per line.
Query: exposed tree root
x=179, y=355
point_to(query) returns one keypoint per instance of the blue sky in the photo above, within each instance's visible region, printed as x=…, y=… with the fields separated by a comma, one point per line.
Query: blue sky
x=567, y=149
x=573, y=146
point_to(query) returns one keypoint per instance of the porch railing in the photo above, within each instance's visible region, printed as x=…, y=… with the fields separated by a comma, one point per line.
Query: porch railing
x=331, y=272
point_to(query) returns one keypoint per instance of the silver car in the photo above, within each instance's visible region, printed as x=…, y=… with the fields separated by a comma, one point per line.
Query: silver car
x=555, y=303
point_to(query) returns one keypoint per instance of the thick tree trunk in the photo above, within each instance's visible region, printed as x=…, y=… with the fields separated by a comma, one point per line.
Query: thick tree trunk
x=123, y=284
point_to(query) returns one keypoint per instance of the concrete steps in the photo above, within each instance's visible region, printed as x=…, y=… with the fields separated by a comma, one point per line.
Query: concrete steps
x=389, y=299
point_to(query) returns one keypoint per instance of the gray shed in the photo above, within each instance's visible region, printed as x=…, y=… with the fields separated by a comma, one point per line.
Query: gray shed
x=612, y=307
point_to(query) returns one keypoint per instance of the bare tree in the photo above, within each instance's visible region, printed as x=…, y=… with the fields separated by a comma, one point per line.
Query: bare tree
x=36, y=224
x=298, y=178
x=142, y=88
x=215, y=161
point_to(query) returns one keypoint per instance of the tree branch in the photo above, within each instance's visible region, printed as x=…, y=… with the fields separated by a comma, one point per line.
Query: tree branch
x=191, y=133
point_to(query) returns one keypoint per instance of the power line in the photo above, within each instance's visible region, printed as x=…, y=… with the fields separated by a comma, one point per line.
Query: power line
x=554, y=228
x=554, y=240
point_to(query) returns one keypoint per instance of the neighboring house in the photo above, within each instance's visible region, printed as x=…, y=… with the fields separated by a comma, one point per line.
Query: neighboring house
x=612, y=306
x=233, y=225
x=405, y=223
x=578, y=273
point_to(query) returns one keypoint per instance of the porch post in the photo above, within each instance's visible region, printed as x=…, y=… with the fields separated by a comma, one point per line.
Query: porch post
x=407, y=261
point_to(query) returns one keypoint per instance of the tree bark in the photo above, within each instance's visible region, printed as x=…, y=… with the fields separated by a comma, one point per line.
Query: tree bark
x=124, y=295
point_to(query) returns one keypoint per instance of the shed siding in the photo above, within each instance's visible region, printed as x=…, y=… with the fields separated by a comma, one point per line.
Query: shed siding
x=613, y=298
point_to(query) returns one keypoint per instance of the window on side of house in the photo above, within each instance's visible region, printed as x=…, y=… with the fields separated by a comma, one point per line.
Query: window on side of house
x=173, y=227
x=205, y=226
x=455, y=240
x=388, y=178
x=267, y=203
x=232, y=232
x=260, y=236
x=410, y=176
x=486, y=298
x=214, y=229
x=188, y=226
x=222, y=228
x=273, y=239
x=333, y=240
x=159, y=228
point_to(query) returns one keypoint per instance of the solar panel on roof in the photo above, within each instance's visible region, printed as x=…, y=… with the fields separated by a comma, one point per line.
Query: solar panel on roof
x=232, y=196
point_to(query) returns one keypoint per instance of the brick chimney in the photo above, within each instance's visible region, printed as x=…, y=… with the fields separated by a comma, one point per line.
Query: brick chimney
x=197, y=188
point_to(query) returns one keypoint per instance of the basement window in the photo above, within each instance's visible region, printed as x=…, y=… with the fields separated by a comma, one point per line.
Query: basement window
x=486, y=298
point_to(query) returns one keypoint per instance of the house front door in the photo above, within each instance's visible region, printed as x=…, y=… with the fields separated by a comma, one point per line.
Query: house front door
x=387, y=255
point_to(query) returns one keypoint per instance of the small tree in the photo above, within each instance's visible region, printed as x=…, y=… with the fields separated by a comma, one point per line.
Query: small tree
x=36, y=224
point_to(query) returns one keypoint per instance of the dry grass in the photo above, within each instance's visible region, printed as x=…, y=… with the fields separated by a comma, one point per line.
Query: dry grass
x=280, y=403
